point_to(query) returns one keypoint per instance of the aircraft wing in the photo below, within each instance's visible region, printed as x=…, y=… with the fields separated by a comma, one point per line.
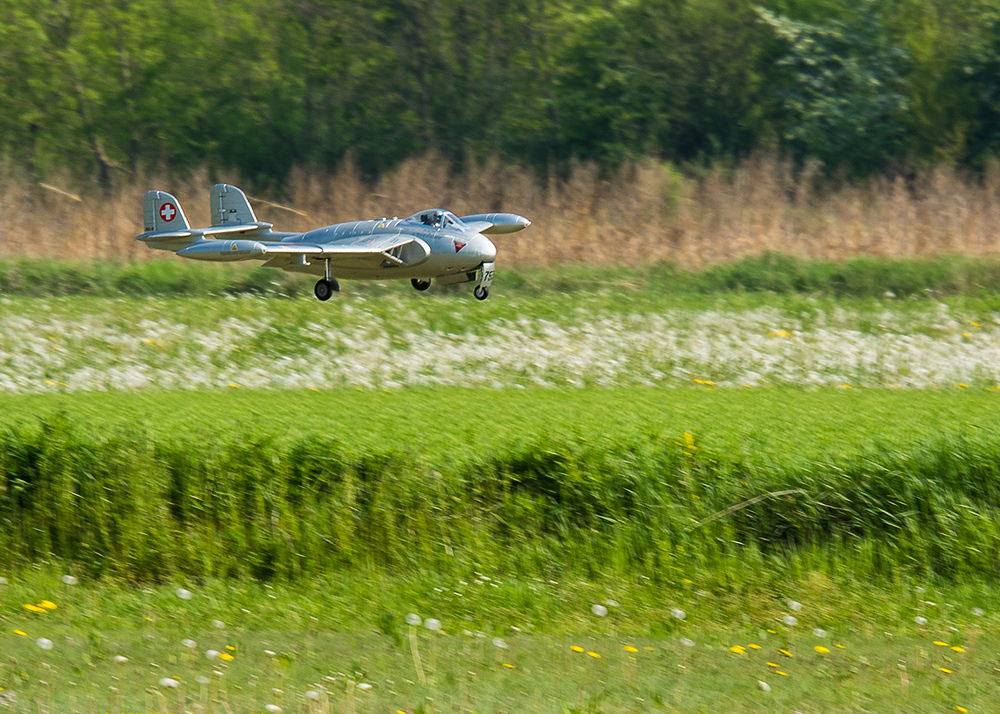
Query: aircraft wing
x=478, y=226
x=368, y=252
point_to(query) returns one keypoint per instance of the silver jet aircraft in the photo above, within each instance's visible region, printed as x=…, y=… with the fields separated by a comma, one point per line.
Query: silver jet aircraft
x=430, y=244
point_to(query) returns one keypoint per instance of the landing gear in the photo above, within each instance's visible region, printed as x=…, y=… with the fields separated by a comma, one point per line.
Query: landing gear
x=485, y=275
x=326, y=287
x=420, y=285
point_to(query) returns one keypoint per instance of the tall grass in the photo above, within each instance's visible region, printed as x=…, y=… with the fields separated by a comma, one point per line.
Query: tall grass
x=149, y=508
x=643, y=212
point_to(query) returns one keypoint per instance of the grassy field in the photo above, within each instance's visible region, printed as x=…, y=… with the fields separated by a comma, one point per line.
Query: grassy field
x=504, y=644
x=786, y=463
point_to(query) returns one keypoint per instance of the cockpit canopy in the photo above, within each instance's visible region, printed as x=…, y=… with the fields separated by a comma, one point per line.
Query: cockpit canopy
x=437, y=218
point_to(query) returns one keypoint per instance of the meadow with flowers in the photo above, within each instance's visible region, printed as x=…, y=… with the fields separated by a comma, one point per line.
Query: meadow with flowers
x=608, y=497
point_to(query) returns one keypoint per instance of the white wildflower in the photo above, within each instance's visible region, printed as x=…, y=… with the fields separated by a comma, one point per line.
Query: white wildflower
x=431, y=624
x=794, y=605
x=413, y=619
x=69, y=580
x=790, y=620
x=183, y=594
x=920, y=620
x=763, y=685
x=599, y=610
x=678, y=613
x=44, y=643
x=168, y=682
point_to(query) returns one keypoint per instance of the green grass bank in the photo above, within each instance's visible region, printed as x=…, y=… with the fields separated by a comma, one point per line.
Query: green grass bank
x=858, y=277
x=756, y=485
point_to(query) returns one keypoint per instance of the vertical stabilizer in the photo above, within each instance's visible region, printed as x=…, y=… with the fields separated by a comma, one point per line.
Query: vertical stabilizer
x=230, y=206
x=162, y=212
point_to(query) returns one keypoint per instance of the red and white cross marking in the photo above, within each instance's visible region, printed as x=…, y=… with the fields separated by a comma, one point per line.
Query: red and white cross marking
x=168, y=211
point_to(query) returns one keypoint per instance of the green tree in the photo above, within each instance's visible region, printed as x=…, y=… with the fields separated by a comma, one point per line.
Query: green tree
x=844, y=98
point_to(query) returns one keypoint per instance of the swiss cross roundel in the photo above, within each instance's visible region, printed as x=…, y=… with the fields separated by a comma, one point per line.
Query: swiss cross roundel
x=168, y=211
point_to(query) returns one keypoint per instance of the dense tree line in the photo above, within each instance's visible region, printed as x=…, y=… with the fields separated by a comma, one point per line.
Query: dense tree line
x=106, y=87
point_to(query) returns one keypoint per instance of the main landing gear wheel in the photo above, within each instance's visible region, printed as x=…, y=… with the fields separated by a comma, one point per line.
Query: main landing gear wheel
x=481, y=293
x=420, y=285
x=325, y=288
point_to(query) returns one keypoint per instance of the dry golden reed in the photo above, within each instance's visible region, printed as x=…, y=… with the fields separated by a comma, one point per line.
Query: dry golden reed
x=644, y=211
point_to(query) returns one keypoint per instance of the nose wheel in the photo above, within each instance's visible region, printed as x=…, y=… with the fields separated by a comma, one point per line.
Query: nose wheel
x=420, y=285
x=482, y=290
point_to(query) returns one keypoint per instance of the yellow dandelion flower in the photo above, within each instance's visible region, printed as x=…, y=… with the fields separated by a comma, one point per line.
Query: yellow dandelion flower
x=231, y=648
x=686, y=581
x=594, y=655
x=630, y=648
x=650, y=649
x=821, y=649
x=33, y=608
x=939, y=643
x=510, y=666
x=945, y=670
x=47, y=604
x=226, y=656
x=738, y=649
x=753, y=646
x=963, y=710
x=773, y=632
x=772, y=664
x=958, y=649
x=576, y=648
x=22, y=633
x=840, y=647
x=785, y=652
x=783, y=674
x=234, y=385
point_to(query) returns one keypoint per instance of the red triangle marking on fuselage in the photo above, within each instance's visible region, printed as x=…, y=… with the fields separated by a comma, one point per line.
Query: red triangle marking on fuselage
x=459, y=246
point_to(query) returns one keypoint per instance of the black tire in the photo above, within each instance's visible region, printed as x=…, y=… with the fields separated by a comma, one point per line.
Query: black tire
x=325, y=289
x=481, y=293
x=420, y=285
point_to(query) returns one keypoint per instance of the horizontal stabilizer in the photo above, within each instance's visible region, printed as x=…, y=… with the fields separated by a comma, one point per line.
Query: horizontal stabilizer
x=246, y=229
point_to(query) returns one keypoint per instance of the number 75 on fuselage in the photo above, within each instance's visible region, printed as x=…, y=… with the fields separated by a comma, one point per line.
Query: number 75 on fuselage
x=432, y=244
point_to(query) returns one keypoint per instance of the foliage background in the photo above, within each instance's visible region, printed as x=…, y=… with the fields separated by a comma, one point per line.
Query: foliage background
x=261, y=86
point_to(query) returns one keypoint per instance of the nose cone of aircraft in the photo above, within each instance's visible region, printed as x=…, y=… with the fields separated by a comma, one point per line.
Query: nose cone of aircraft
x=522, y=223
x=485, y=249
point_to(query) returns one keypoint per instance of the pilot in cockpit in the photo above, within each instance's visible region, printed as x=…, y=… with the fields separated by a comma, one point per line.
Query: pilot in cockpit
x=437, y=219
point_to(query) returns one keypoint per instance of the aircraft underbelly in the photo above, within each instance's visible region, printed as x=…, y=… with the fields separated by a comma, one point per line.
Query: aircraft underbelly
x=439, y=264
